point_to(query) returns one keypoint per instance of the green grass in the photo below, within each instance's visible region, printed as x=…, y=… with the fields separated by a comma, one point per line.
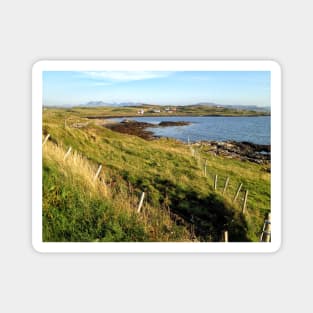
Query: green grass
x=178, y=194
x=193, y=110
x=76, y=208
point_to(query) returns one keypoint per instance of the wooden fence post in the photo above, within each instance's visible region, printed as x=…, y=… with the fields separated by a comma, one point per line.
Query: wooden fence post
x=98, y=172
x=225, y=236
x=140, y=202
x=67, y=153
x=215, y=182
x=226, y=184
x=46, y=139
x=237, y=193
x=266, y=232
x=206, y=162
x=245, y=202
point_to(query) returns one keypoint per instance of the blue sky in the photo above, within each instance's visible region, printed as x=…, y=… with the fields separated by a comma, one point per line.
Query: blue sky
x=157, y=87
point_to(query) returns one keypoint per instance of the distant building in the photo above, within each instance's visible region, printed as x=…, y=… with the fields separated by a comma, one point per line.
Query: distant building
x=170, y=110
x=141, y=112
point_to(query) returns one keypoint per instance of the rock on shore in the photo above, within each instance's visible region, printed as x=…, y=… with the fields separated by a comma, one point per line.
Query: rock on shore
x=245, y=151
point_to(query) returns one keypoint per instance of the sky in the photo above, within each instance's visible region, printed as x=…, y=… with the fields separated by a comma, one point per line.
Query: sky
x=157, y=87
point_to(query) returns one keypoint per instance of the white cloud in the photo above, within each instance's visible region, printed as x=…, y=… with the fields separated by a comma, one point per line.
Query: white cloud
x=122, y=76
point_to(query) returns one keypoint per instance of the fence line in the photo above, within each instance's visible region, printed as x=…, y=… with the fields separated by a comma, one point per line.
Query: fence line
x=266, y=231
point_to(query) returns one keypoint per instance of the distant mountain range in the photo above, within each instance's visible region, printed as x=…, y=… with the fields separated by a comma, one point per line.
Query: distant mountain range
x=136, y=104
x=101, y=104
x=237, y=107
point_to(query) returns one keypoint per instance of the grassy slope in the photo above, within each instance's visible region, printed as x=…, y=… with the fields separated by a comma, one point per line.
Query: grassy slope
x=165, y=169
x=77, y=208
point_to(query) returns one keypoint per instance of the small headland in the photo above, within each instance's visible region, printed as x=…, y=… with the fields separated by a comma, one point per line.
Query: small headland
x=136, y=128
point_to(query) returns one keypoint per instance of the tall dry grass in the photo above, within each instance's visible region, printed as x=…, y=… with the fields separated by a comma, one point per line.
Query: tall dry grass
x=76, y=168
x=158, y=222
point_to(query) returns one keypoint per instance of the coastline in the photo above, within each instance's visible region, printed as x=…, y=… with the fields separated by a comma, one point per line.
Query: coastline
x=241, y=150
x=138, y=129
x=172, y=115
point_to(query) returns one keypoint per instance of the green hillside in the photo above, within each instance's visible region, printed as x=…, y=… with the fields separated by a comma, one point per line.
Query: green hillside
x=180, y=204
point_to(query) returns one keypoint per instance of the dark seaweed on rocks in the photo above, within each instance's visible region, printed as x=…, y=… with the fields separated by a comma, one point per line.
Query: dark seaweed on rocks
x=245, y=151
x=132, y=127
x=171, y=123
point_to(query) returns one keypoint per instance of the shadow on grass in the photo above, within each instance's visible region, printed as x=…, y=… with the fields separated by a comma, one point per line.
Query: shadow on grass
x=209, y=215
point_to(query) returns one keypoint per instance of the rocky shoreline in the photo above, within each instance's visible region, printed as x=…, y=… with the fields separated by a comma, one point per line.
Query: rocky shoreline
x=132, y=127
x=244, y=151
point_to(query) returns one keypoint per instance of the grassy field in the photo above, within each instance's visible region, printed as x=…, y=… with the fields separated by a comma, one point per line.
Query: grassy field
x=180, y=205
x=191, y=110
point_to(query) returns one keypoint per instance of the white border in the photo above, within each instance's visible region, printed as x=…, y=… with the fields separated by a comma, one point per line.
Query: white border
x=154, y=65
